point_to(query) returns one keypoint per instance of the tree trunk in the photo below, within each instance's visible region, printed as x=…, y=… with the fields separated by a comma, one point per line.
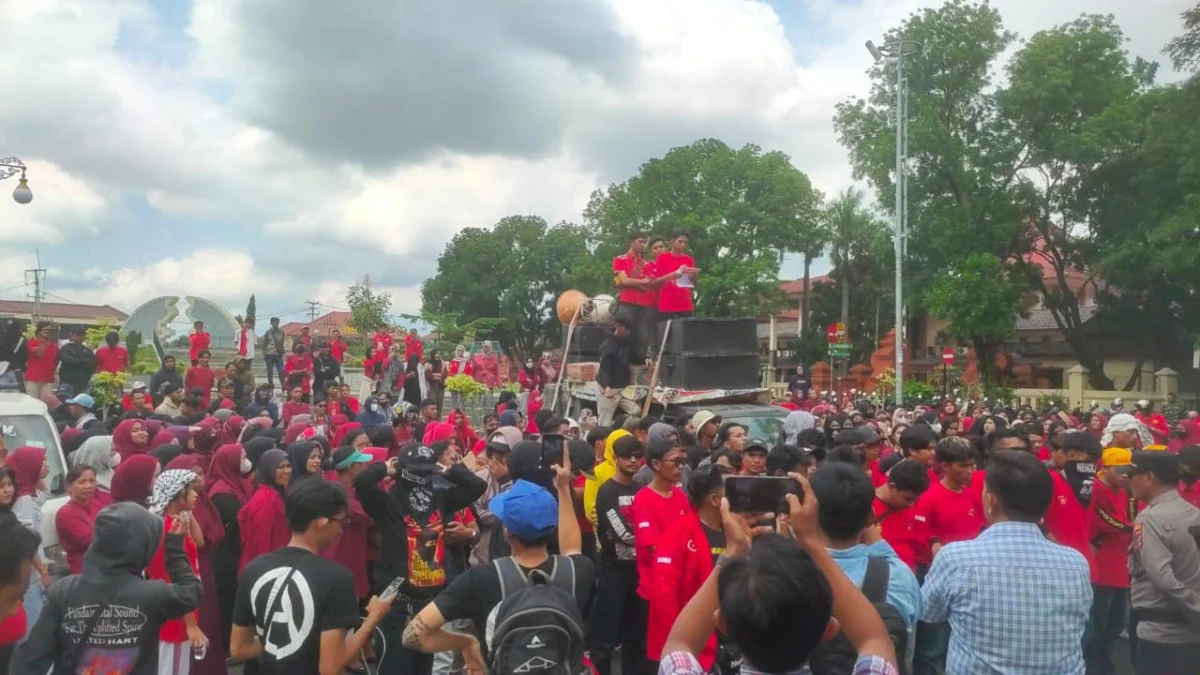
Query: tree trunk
x=985, y=361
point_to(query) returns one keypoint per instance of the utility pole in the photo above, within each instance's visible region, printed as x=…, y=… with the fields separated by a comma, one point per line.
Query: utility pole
x=36, y=278
x=312, y=310
x=897, y=51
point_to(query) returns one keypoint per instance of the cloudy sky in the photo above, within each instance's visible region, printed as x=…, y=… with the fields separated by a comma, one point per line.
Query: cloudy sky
x=287, y=147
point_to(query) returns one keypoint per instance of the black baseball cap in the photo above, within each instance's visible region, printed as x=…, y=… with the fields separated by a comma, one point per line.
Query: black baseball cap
x=756, y=446
x=1158, y=463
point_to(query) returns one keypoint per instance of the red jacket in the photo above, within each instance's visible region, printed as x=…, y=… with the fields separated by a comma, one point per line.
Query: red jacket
x=263, y=525
x=457, y=368
x=682, y=562
x=413, y=345
x=1111, y=514
x=1066, y=520
x=337, y=349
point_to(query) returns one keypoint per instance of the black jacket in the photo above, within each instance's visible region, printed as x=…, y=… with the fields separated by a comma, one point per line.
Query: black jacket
x=387, y=509
x=325, y=370
x=615, y=369
x=77, y=364
x=163, y=376
x=125, y=539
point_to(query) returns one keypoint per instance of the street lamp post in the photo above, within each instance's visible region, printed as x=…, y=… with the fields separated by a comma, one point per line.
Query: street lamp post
x=896, y=51
x=10, y=166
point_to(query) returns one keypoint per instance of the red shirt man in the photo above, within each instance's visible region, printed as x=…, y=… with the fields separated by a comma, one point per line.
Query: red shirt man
x=1154, y=422
x=673, y=298
x=200, y=376
x=296, y=363
x=1066, y=518
x=950, y=510
x=1111, y=514
x=894, y=508
x=337, y=346
x=112, y=359
x=413, y=346
x=43, y=356
x=632, y=267
x=199, y=340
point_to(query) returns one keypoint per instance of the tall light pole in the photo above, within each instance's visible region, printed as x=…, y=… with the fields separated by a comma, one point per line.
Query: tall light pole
x=896, y=51
x=10, y=166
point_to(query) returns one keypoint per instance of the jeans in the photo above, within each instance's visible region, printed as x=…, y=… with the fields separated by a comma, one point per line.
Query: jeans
x=394, y=657
x=274, y=365
x=35, y=599
x=618, y=618
x=1109, y=608
x=1158, y=658
x=933, y=641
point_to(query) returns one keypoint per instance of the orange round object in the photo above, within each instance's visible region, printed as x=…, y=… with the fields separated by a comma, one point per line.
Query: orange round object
x=568, y=305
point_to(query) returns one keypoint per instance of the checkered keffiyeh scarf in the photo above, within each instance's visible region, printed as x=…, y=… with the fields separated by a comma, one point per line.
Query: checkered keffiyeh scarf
x=169, y=485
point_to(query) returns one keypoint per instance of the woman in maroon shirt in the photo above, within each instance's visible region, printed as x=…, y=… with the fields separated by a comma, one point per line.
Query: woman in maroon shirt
x=75, y=519
x=350, y=549
x=133, y=481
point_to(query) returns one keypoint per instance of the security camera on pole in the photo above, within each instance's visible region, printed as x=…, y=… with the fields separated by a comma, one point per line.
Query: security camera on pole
x=896, y=51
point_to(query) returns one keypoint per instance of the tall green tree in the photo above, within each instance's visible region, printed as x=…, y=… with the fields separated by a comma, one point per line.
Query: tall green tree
x=251, y=309
x=1184, y=50
x=981, y=304
x=368, y=308
x=743, y=209
x=512, y=273
x=1004, y=171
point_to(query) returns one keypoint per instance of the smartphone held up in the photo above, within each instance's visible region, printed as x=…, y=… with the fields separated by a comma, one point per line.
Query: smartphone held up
x=760, y=494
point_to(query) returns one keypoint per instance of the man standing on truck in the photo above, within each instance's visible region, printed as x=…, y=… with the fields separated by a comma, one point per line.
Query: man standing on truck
x=614, y=372
x=634, y=282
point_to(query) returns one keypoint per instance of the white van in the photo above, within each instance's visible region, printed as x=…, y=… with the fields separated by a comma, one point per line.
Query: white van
x=25, y=420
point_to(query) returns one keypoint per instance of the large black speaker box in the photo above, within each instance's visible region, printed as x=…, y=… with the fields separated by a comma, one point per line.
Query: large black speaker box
x=709, y=371
x=710, y=336
x=587, y=340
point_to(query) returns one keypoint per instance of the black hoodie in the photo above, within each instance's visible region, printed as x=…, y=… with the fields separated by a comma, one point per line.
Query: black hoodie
x=124, y=641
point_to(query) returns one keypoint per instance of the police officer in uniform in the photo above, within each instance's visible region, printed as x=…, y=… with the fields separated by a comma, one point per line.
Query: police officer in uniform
x=1164, y=569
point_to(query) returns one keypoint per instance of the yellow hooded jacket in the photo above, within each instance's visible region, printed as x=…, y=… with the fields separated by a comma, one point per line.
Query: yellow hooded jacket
x=601, y=473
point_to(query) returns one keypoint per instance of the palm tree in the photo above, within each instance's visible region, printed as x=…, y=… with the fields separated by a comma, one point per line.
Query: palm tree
x=853, y=234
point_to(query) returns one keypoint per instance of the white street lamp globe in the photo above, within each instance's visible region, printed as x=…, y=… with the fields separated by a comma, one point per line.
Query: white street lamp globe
x=22, y=194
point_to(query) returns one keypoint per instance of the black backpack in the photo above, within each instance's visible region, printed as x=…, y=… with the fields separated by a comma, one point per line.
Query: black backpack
x=837, y=656
x=537, y=627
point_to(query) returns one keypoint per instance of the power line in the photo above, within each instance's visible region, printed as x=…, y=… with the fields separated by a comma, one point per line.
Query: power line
x=312, y=309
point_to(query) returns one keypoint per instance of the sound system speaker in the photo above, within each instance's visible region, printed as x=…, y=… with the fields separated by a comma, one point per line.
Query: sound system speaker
x=710, y=371
x=710, y=336
x=587, y=340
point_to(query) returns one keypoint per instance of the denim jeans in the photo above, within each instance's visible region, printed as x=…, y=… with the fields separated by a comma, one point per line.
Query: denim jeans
x=274, y=365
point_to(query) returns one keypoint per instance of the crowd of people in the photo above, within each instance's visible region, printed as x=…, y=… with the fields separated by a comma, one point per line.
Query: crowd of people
x=1014, y=541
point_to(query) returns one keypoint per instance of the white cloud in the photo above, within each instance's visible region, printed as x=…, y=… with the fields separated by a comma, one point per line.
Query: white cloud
x=383, y=130
x=220, y=275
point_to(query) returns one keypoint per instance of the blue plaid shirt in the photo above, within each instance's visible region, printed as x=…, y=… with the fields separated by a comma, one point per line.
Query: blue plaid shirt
x=1016, y=603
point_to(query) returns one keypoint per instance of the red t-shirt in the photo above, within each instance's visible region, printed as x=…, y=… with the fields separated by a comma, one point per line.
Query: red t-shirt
x=199, y=342
x=337, y=349
x=578, y=482
x=651, y=514
x=898, y=529
x=173, y=631
x=1112, y=513
x=672, y=298
x=1066, y=520
x=634, y=268
x=112, y=359
x=878, y=477
x=942, y=516
x=41, y=368
x=199, y=377
x=296, y=363
x=650, y=271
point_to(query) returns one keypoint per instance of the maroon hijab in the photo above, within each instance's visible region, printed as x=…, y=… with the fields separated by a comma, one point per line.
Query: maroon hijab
x=133, y=481
x=225, y=475
x=26, y=464
x=123, y=439
x=206, y=437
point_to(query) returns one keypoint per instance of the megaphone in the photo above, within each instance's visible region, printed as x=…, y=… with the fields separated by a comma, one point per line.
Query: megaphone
x=575, y=306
